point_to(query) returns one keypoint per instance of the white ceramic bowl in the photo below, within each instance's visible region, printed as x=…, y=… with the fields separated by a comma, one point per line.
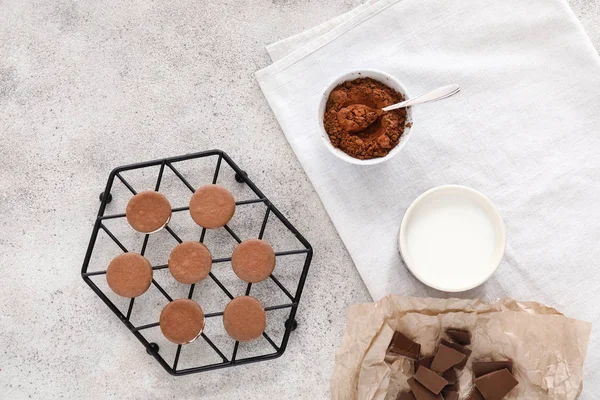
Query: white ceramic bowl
x=452, y=238
x=381, y=77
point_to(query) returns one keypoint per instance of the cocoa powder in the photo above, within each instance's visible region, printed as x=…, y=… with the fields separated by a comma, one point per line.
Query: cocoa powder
x=359, y=131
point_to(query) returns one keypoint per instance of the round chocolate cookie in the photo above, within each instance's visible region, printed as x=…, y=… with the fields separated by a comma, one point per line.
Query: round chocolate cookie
x=244, y=318
x=212, y=206
x=182, y=321
x=148, y=211
x=190, y=262
x=253, y=260
x=129, y=275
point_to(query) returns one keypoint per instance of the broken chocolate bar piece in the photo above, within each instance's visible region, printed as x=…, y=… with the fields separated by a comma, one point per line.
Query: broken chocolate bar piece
x=475, y=395
x=451, y=395
x=448, y=392
x=421, y=392
x=460, y=336
x=406, y=396
x=403, y=346
x=430, y=379
x=453, y=387
x=496, y=385
x=481, y=368
x=425, y=361
x=460, y=348
x=451, y=376
x=446, y=358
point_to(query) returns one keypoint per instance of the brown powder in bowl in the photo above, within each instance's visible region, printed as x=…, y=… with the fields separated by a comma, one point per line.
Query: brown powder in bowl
x=357, y=131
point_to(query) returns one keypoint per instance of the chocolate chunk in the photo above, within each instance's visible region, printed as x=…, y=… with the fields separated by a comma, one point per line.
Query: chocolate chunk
x=451, y=387
x=452, y=395
x=430, y=379
x=406, y=396
x=460, y=348
x=421, y=392
x=403, y=346
x=425, y=361
x=481, y=368
x=447, y=391
x=496, y=385
x=446, y=358
x=460, y=336
x=475, y=395
x=451, y=375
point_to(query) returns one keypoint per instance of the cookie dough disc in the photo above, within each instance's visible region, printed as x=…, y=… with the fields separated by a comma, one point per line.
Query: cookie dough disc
x=190, y=262
x=182, y=321
x=253, y=260
x=148, y=211
x=212, y=206
x=244, y=318
x=129, y=275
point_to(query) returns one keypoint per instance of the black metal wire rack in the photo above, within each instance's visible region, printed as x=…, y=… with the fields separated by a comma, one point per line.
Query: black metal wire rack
x=275, y=350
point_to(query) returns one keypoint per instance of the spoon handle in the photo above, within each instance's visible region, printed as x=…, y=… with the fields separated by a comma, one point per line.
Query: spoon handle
x=434, y=95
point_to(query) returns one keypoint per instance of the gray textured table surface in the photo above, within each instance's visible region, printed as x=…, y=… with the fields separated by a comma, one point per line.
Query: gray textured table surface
x=86, y=86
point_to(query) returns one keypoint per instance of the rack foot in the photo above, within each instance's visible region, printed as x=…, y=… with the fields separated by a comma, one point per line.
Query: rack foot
x=154, y=347
x=291, y=324
x=108, y=198
x=240, y=177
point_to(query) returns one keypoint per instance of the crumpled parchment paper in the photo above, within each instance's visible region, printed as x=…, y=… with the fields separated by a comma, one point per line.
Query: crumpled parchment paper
x=547, y=348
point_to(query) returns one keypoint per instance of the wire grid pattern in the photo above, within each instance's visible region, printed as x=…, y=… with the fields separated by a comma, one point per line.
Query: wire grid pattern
x=241, y=177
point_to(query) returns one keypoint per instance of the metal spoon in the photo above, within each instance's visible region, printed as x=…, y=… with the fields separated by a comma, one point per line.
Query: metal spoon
x=434, y=95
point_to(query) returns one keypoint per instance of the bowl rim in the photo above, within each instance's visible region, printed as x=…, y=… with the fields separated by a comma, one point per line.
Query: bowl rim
x=492, y=211
x=396, y=84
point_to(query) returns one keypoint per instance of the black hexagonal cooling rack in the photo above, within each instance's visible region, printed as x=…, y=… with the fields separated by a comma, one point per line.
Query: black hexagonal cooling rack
x=199, y=364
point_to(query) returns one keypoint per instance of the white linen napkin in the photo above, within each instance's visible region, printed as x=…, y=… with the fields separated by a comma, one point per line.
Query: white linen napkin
x=525, y=131
x=282, y=48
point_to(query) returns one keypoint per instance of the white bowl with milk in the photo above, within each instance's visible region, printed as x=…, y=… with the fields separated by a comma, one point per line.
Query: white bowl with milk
x=452, y=238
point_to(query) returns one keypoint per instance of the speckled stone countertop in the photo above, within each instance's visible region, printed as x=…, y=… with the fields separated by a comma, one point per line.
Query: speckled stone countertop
x=87, y=86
